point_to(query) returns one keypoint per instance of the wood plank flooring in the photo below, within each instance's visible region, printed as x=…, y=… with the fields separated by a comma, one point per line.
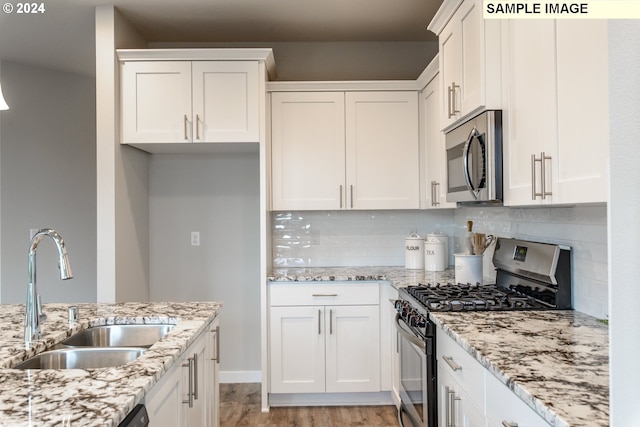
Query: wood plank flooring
x=240, y=406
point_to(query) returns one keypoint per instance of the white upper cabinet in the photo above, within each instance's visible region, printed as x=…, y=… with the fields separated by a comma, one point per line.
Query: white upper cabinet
x=433, y=177
x=174, y=96
x=556, y=115
x=336, y=150
x=156, y=102
x=183, y=101
x=382, y=150
x=308, y=150
x=469, y=49
x=226, y=101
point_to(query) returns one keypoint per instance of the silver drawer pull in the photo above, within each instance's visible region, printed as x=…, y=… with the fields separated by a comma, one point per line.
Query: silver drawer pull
x=453, y=365
x=509, y=424
x=325, y=295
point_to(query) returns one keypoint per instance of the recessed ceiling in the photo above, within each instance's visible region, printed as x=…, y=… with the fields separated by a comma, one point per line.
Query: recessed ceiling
x=63, y=36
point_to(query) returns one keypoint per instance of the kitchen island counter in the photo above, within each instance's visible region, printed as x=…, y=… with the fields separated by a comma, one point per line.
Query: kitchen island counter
x=95, y=397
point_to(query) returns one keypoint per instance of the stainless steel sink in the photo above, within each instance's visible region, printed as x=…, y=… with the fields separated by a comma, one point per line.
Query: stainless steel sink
x=82, y=358
x=118, y=336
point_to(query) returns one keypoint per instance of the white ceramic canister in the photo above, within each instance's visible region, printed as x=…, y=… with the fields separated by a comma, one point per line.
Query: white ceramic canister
x=434, y=255
x=414, y=252
x=441, y=237
x=468, y=268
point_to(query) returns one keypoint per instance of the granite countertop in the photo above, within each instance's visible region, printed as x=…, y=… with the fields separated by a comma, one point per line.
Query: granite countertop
x=555, y=361
x=397, y=276
x=95, y=397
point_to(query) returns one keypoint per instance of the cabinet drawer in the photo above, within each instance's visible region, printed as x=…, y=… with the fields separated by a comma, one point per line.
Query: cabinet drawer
x=504, y=406
x=282, y=294
x=461, y=366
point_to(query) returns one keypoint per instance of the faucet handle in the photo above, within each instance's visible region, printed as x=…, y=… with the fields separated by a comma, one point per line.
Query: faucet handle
x=74, y=314
x=40, y=314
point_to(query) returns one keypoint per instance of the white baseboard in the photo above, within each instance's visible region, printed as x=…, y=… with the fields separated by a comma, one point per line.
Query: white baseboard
x=227, y=377
x=331, y=399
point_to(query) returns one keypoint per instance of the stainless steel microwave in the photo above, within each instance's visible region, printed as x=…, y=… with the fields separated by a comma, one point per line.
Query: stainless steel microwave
x=474, y=160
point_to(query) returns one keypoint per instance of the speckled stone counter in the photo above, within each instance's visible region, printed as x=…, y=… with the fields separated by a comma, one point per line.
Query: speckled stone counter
x=91, y=397
x=555, y=361
x=397, y=276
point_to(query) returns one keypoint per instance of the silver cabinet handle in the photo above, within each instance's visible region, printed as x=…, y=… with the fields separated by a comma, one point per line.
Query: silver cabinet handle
x=454, y=418
x=449, y=407
x=351, y=190
x=543, y=158
x=452, y=99
x=186, y=121
x=324, y=295
x=195, y=376
x=509, y=424
x=533, y=177
x=197, y=127
x=434, y=193
x=453, y=365
x=216, y=335
x=319, y=315
x=189, y=365
x=340, y=196
x=543, y=178
x=330, y=322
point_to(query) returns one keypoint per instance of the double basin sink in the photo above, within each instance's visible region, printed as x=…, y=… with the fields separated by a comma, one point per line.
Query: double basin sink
x=99, y=347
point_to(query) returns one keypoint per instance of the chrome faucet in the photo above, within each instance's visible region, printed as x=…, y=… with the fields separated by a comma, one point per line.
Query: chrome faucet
x=33, y=313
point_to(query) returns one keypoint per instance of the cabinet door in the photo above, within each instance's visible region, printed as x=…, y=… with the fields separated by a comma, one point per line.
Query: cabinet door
x=195, y=415
x=530, y=121
x=212, y=375
x=450, y=44
x=353, y=348
x=297, y=349
x=580, y=163
x=432, y=144
x=164, y=402
x=455, y=407
x=505, y=408
x=156, y=102
x=307, y=150
x=226, y=101
x=382, y=150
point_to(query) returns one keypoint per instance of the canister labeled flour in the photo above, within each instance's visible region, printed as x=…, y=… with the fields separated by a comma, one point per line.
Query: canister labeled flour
x=414, y=252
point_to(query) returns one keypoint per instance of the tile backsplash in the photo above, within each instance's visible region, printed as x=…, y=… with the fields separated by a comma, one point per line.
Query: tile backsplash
x=376, y=238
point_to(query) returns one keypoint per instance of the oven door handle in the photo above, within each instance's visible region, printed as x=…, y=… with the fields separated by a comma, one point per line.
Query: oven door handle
x=410, y=336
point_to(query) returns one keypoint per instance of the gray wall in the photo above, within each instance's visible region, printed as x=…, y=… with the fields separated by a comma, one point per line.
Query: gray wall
x=48, y=179
x=217, y=195
x=320, y=61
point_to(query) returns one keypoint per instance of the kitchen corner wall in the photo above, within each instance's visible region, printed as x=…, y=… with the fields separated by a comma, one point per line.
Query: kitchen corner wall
x=376, y=238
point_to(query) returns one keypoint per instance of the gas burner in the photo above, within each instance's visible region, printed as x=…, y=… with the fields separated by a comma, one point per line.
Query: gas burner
x=471, y=297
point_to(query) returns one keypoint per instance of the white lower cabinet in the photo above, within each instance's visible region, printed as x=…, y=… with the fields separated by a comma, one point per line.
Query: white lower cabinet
x=506, y=409
x=469, y=395
x=324, y=338
x=187, y=394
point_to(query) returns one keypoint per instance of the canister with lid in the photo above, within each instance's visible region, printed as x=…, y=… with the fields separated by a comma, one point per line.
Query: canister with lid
x=414, y=252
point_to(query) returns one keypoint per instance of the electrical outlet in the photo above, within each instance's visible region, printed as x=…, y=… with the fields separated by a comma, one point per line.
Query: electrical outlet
x=195, y=238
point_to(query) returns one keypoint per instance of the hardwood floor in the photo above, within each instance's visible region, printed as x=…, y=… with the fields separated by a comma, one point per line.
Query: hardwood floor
x=240, y=406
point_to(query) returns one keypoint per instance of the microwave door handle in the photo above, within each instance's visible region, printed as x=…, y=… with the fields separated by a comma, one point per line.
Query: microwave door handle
x=465, y=158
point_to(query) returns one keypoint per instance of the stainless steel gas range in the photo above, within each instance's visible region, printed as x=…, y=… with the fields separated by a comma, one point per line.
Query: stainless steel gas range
x=529, y=276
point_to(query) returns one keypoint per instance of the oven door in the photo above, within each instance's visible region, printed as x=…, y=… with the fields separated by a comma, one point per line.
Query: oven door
x=413, y=378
